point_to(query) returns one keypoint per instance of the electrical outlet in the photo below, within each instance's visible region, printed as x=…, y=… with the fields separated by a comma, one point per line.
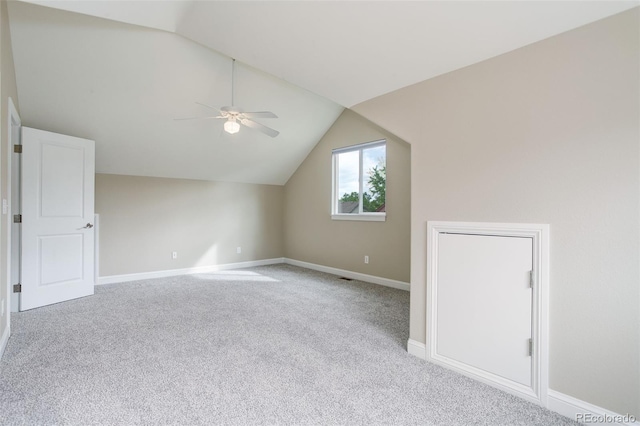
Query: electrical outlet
x=239, y=250
x=174, y=254
x=366, y=259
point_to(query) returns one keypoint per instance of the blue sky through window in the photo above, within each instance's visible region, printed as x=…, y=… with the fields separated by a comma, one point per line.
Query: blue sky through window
x=349, y=164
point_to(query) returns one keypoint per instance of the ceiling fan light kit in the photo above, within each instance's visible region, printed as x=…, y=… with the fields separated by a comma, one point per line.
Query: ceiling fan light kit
x=236, y=116
x=231, y=126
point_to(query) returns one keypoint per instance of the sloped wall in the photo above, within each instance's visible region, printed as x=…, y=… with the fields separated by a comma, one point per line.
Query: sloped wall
x=548, y=133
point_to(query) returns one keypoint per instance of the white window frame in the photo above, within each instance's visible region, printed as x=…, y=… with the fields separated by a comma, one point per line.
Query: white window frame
x=362, y=216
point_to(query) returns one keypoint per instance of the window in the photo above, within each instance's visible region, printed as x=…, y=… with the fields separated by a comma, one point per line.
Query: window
x=360, y=182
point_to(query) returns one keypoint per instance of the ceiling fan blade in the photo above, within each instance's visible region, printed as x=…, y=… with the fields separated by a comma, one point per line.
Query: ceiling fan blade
x=259, y=127
x=208, y=106
x=199, y=118
x=260, y=114
x=231, y=109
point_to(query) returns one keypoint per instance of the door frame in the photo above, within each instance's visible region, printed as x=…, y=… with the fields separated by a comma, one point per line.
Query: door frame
x=13, y=122
x=540, y=304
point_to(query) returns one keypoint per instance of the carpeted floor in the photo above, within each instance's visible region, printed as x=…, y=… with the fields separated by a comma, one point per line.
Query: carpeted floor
x=267, y=345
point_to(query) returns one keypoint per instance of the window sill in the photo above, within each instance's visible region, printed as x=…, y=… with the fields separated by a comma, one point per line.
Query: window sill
x=372, y=217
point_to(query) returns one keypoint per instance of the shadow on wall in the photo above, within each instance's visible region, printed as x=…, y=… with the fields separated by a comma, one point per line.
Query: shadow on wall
x=145, y=220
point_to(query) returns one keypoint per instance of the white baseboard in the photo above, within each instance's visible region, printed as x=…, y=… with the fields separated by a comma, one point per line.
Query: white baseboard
x=416, y=348
x=111, y=279
x=566, y=405
x=4, y=339
x=349, y=274
x=584, y=412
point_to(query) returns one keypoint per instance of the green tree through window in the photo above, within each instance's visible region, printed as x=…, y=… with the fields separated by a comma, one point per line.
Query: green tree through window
x=378, y=189
x=373, y=200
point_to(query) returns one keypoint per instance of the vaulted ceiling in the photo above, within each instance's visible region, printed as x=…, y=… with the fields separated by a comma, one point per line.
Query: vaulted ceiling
x=119, y=72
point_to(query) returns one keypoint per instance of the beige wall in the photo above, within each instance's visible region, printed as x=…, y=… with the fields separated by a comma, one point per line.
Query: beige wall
x=545, y=134
x=311, y=235
x=144, y=219
x=8, y=89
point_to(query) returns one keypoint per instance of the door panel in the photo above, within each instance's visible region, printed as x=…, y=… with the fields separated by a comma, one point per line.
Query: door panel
x=57, y=205
x=484, y=303
x=60, y=258
x=62, y=181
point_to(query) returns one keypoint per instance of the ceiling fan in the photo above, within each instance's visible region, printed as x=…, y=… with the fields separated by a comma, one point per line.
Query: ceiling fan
x=235, y=116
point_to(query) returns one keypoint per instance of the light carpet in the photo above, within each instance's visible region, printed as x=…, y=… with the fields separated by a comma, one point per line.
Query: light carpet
x=267, y=345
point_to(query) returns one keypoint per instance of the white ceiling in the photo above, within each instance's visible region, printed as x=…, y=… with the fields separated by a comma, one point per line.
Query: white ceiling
x=122, y=84
x=357, y=50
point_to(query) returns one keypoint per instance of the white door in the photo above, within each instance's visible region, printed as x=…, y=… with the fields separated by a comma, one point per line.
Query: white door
x=57, y=192
x=484, y=304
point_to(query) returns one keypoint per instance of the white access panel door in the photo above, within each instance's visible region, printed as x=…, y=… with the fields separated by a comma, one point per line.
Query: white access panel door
x=57, y=218
x=484, y=304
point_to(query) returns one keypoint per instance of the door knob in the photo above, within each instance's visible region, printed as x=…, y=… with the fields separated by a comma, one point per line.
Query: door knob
x=88, y=226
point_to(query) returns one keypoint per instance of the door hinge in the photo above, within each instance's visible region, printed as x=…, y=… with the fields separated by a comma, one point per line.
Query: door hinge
x=530, y=279
x=17, y=288
x=530, y=347
x=17, y=218
x=17, y=149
